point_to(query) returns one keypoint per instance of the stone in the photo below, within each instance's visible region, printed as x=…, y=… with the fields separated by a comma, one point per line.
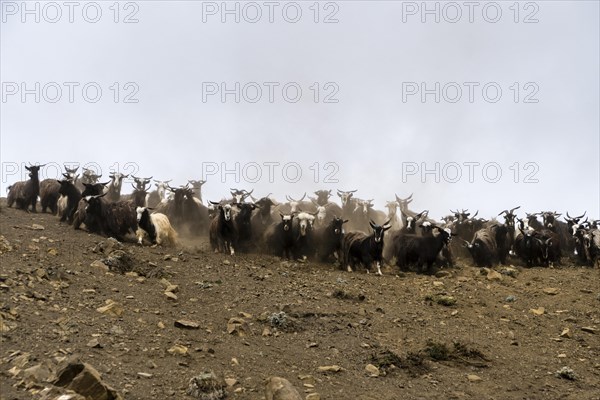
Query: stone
x=171, y=296
x=38, y=373
x=186, y=324
x=111, y=308
x=494, y=275
x=588, y=329
x=277, y=388
x=372, y=370
x=237, y=326
x=207, y=386
x=99, y=265
x=85, y=380
x=37, y=227
x=473, y=378
x=537, y=311
x=178, y=349
x=551, y=291
x=566, y=333
x=144, y=375
x=313, y=396
x=230, y=382
x=330, y=368
x=94, y=344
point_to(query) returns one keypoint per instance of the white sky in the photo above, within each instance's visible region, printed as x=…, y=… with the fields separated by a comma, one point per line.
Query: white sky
x=367, y=61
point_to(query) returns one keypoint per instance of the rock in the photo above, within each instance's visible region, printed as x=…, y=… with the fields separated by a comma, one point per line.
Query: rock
x=446, y=301
x=372, y=370
x=510, y=271
x=172, y=288
x=307, y=378
x=116, y=330
x=237, y=326
x=537, y=311
x=178, y=349
x=266, y=332
x=5, y=246
x=161, y=325
x=588, y=329
x=313, y=396
x=230, y=382
x=442, y=274
x=566, y=373
x=551, y=291
x=38, y=373
x=144, y=375
x=494, y=275
x=280, y=389
x=186, y=324
x=99, y=265
x=119, y=261
x=438, y=283
x=473, y=378
x=37, y=227
x=171, y=296
x=111, y=308
x=226, y=262
x=82, y=378
x=510, y=298
x=566, y=333
x=245, y=315
x=206, y=386
x=94, y=344
x=330, y=368
x=53, y=252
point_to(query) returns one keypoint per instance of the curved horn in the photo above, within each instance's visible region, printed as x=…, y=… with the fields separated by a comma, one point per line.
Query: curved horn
x=503, y=212
x=214, y=203
x=303, y=197
x=512, y=210
x=288, y=198
x=474, y=215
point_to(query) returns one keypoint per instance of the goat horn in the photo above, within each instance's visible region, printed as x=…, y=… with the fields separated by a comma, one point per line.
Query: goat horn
x=503, y=212
x=512, y=210
x=303, y=197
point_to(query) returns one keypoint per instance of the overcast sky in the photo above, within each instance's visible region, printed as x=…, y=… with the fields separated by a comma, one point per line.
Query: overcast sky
x=499, y=104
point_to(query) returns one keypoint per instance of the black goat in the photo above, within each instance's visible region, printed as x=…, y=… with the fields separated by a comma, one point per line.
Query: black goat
x=70, y=191
x=243, y=225
x=25, y=193
x=114, y=219
x=222, y=234
x=80, y=216
x=328, y=239
x=279, y=237
x=357, y=247
x=422, y=250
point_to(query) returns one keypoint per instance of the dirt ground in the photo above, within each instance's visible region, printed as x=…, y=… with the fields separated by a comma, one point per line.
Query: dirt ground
x=463, y=334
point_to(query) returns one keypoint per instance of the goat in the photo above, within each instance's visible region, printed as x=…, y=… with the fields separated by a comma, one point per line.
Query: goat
x=262, y=218
x=243, y=225
x=114, y=187
x=422, y=250
x=240, y=196
x=115, y=219
x=348, y=203
x=197, y=187
x=25, y=193
x=328, y=239
x=156, y=226
x=81, y=216
x=358, y=248
x=222, y=234
x=483, y=248
x=392, y=215
x=303, y=236
x=49, y=195
x=279, y=237
x=71, y=197
x=509, y=221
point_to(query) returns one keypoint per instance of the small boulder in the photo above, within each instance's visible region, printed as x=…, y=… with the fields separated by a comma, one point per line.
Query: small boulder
x=277, y=388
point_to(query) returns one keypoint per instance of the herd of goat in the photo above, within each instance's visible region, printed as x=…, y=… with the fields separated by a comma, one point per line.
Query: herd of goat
x=351, y=233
